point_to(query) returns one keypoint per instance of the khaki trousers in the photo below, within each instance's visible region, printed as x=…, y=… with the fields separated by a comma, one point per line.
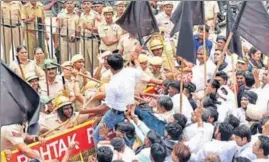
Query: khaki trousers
x=90, y=53
x=6, y=41
x=72, y=47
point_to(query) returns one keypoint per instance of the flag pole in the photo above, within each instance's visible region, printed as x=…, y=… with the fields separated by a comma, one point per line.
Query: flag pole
x=222, y=54
x=205, y=53
x=234, y=82
x=181, y=87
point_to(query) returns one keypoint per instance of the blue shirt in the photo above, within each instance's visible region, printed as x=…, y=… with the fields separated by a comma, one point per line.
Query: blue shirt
x=197, y=43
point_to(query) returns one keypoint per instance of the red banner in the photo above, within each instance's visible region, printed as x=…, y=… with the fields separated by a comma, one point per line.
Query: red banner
x=56, y=146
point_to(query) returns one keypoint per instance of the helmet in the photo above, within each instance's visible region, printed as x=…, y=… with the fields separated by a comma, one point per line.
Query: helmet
x=67, y=63
x=45, y=99
x=142, y=58
x=155, y=44
x=108, y=9
x=156, y=60
x=76, y=58
x=48, y=64
x=31, y=77
x=60, y=102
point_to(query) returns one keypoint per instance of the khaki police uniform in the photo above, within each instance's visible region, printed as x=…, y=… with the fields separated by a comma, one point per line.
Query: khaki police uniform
x=126, y=45
x=211, y=8
x=155, y=60
x=15, y=9
x=90, y=45
x=109, y=30
x=70, y=21
x=31, y=37
x=11, y=135
x=164, y=22
x=54, y=88
x=28, y=69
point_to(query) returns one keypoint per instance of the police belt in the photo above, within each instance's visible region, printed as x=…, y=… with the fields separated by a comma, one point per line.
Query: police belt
x=117, y=111
x=12, y=26
x=91, y=37
x=65, y=38
x=113, y=52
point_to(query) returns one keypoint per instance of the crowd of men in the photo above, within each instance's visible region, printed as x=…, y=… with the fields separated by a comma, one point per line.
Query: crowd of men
x=160, y=107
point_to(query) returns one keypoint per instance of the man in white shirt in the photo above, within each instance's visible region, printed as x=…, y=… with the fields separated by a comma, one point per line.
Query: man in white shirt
x=198, y=70
x=222, y=147
x=261, y=149
x=174, y=92
x=119, y=94
x=121, y=150
x=242, y=136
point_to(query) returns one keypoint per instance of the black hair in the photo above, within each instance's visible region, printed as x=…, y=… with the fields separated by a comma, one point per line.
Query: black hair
x=190, y=87
x=20, y=47
x=60, y=111
x=158, y=152
x=231, y=119
x=221, y=37
x=154, y=137
x=240, y=73
x=165, y=102
x=37, y=48
x=104, y=154
x=226, y=131
x=223, y=75
x=180, y=119
x=252, y=50
x=115, y=61
x=257, y=127
x=210, y=112
x=249, y=78
x=174, y=130
x=127, y=128
x=210, y=101
x=264, y=144
x=251, y=96
x=243, y=131
x=118, y=143
x=201, y=27
x=175, y=84
x=215, y=84
x=241, y=159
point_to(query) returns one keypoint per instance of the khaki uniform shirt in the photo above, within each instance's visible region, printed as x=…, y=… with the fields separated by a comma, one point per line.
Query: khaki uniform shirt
x=109, y=30
x=54, y=121
x=164, y=22
x=15, y=9
x=68, y=20
x=30, y=11
x=127, y=44
x=11, y=135
x=87, y=19
x=142, y=83
x=54, y=89
x=211, y=8
x=29, y=69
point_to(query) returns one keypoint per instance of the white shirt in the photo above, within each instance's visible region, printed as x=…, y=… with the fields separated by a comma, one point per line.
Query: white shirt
x=120, y=90
x=246, y=151
x=260, y=160
x=198, y=74
x=127, y=155
x=240, y=113
x=144, y=155
x=198, y=137
x=263, y=98
x=186, y=106
x=224, y=109
x=224, y=149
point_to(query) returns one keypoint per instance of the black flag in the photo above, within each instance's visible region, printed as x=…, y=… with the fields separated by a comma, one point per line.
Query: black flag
x=235, y=43
x=197, y=10
x=138, y=19
x=19, y=102
x=185, y=39
x=252, y=23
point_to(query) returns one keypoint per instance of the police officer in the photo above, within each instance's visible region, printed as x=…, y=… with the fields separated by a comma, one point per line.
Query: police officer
x=54, y=80
x=64, y=111
x=15, y=9
x=33, y=80
x=32, y=11
x=69, y=43
x=156, y=67
x=120, y=7
x=109, y=32
x=89, y=46
x=163, y=18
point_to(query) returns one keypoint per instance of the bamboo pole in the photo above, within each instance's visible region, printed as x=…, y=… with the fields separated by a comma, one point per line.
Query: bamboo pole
x=53, y=129
x=181, y=88
x=83, y=75
x=205, y=53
